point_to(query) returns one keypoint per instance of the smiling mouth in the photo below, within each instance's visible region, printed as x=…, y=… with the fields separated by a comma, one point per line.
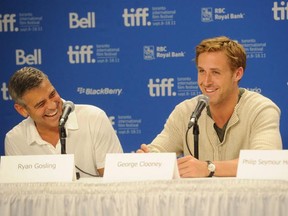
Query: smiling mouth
x=52, y=114
x=210, y=90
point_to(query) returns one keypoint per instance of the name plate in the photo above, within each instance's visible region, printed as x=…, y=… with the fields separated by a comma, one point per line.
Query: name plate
x=141, y=166
x=263, y=164
x=37, y=168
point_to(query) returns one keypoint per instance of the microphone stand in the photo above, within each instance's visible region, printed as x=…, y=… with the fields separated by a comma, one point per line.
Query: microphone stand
x=196, y=139
x=62, y=133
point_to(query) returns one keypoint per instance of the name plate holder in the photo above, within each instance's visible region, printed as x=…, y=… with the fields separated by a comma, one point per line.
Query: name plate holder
x=37, y=168
x=263, y=164
x=140, y=166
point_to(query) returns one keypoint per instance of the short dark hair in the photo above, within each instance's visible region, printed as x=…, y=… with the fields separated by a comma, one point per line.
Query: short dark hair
x=23, y=80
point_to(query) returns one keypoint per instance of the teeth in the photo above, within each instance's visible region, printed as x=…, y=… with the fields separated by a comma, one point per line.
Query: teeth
x=52, y=114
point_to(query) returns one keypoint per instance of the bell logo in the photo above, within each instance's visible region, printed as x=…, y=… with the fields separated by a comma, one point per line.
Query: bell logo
x=136, y=17
x=7, y=22
x=161, y=87
x=86, y=22
x=29, y=59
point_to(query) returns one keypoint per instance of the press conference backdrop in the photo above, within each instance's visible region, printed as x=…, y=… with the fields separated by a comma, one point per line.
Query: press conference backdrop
x=134, y=58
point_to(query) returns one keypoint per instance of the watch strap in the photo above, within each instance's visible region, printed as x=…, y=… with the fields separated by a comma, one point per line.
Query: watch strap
x=211, y=172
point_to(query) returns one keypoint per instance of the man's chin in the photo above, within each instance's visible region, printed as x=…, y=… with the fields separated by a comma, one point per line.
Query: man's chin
x=51, y=122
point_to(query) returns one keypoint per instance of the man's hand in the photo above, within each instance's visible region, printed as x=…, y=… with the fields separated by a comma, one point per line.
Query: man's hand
x=143, y=149
x=190, y=167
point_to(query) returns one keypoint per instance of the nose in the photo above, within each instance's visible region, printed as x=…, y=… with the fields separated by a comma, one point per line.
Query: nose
x=207, y=79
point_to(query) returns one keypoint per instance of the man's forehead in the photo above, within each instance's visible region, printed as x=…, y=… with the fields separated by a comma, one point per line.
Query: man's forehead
x=37, y=94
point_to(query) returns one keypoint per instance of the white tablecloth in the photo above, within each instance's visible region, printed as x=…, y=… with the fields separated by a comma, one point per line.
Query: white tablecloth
x=210, y=196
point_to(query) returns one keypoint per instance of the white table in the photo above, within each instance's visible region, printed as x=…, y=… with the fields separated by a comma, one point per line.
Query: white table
x=209, y=196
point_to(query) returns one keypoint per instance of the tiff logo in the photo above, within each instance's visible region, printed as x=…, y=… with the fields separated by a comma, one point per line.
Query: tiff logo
x=112, y=121
x=7, y=22
x=161, y=87
x=280, y=12
x=81, y=54
x=34, y=58
x=85, y=22
x=5, y=93
x=136, y=17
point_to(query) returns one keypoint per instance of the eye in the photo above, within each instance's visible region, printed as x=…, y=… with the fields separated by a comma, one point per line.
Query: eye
x=39, y=105
x=200, y=71
x=216, y=72
x=53, y=93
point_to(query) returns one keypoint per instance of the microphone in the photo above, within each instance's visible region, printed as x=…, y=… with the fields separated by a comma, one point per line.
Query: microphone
x=203, y=101
x=68, y=107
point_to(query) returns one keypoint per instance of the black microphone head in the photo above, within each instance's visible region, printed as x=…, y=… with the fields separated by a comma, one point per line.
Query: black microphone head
x=67, y=108
x=69, y=104
x=204, y=99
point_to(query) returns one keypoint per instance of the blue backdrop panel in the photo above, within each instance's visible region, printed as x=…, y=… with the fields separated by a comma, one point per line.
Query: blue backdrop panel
x=134, y=59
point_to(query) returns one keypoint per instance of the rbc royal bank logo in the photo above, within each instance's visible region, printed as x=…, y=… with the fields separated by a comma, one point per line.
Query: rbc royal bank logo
x=161, y=87
x=136, y=17
x=206, y=14
x=149, y=52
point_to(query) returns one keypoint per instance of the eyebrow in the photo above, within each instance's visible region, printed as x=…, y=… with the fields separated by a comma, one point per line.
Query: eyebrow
x=218, y=69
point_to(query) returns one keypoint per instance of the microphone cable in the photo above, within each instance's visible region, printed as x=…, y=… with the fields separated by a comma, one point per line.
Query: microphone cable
x=203, y=102
x=78, y=174
x=186, y=138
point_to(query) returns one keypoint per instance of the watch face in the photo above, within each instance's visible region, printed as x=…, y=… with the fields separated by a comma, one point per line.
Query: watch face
x=211, y=167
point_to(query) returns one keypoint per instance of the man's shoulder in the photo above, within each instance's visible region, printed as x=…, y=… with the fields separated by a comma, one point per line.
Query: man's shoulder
x=256, y=101
x=87, y=107
x=255, y=97
x=28, y=122
x=188, y=102
x=21, y=129
x=88, y=110
x=185, y=107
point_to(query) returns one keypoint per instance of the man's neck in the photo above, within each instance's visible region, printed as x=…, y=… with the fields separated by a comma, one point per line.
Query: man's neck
x=50, y=135
x=221, y=113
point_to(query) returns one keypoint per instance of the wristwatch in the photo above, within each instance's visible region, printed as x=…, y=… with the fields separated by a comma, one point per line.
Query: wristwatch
x=211, y=167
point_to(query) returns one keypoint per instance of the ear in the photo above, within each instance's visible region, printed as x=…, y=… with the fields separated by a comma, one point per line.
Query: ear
x=21, y=110
x=239, y=74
